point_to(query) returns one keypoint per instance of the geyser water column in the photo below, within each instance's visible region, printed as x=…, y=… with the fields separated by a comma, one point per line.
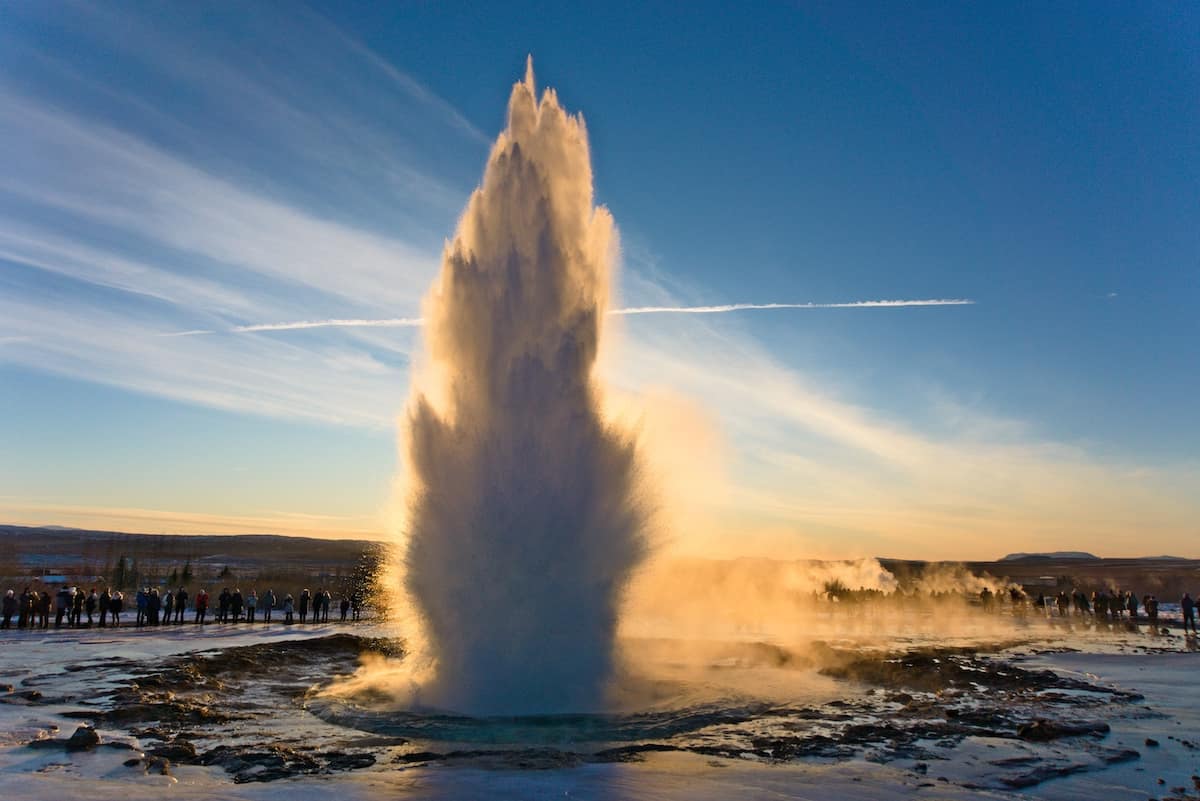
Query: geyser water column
x=524, y=512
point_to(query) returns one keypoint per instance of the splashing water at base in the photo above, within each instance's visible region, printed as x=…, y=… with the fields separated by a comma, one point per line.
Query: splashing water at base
x=524, y=515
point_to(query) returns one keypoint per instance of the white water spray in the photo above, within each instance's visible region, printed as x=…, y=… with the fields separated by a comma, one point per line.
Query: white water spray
x=523, y=514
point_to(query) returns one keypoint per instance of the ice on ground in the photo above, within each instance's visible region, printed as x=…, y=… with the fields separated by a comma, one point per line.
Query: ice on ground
x=237, y=712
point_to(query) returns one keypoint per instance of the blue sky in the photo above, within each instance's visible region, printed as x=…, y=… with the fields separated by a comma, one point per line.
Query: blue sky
x=179, y=167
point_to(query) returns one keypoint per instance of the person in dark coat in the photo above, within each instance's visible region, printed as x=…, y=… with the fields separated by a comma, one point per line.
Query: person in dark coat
x=90, y=605
x=235, y=604
x=181, y=598
x=25, y=608
x=223, y=606
x=8, y=608
x=1189, y=613
x=105, y=600
x=43, y=609
x=304, y=599
x=116, y=604
x=62, y=602
x=168, y=607
x=77, y=607
x=267, y=605
x=153, y=607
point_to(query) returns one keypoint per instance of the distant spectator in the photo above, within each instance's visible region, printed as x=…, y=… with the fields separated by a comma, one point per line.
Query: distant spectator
x=8, y=608
x=1131, y=603
x=168, y=607
x=251, y=605
x=25, y=608
x=223, y=606
x=345, y=607
x=268, y=605
x=103, y=603
x=62, y=602
x=201, y=606
x=181, y=598
x=153, y=606
x=1151, y=604
x=236, y=602
x=1189, y=613
x=356, y=604
x=43, y=609
x=77, y=607
x=287, y=608
x=115, y=605
x=140, y=600
x=326, y=599
x=304, y=599
x=90, y=605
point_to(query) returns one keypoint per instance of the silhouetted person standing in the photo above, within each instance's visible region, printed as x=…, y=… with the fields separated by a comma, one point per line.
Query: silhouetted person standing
x=181, y=598
x=62, y=602
x=304, y=599
x=223, y=606
x=90, y=605
x=8, y=609
x=115, y=604
x=201, y=606
x=1189, y=613
x=103, y=603
x=235, y=604
x=268, y=605
x=25, y=609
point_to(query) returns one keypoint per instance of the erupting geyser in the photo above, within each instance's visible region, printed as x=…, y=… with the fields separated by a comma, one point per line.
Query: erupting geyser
x=524, y=518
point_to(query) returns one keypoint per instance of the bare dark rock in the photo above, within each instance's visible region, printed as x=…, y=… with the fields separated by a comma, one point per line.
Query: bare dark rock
x=1041, y=731
x=176, y=751
x=119, y=745
x=339, y=761
x=85, y=738
x=159, y=765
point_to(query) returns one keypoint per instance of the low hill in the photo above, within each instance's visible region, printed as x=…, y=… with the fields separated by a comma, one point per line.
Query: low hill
x=29, y=552
x=1015, y=557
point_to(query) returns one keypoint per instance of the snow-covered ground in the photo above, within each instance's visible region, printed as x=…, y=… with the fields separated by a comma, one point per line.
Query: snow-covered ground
x=78, y=671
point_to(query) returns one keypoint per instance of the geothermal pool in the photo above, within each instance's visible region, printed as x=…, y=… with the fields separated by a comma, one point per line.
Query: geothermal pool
x=1050, y=710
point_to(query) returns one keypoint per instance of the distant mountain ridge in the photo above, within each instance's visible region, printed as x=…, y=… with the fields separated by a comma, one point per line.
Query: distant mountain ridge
x=1015, y=557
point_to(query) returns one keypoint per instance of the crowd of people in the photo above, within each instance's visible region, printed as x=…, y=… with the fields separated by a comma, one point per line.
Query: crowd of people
x=104, y=607
x=1102, y=605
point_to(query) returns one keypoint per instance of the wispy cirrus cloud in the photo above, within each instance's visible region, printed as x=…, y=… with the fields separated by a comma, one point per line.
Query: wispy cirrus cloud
x=315, y=189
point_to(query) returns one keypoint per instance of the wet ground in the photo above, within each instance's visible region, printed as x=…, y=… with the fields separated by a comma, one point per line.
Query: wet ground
x=1049, y=713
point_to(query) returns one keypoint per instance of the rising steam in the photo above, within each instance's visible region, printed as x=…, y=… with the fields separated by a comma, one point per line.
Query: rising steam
x=524, y=519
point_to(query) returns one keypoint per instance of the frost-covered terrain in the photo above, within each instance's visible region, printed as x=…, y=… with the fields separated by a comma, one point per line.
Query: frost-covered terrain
x=1057, y=712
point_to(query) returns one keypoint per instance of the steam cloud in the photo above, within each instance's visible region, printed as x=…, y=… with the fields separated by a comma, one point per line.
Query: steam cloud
x=524, y=513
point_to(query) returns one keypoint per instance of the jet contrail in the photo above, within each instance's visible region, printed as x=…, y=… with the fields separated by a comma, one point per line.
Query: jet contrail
x=394, y=322
x=732, y=307
x=416, y=322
